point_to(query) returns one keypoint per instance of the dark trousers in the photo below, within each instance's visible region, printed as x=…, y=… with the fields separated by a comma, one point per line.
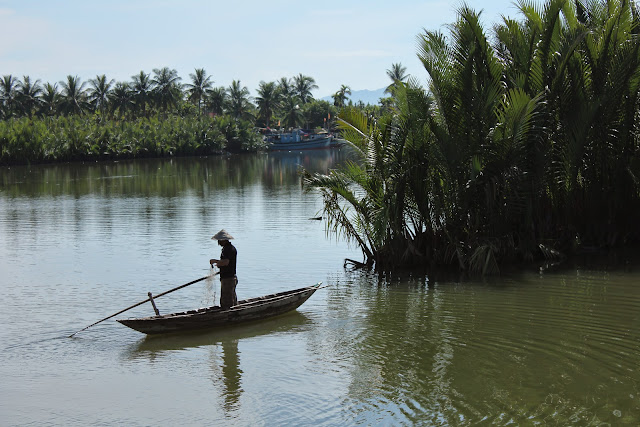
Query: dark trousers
x=228, y=296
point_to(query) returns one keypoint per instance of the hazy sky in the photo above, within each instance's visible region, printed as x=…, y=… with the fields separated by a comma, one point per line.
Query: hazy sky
x=350, y=42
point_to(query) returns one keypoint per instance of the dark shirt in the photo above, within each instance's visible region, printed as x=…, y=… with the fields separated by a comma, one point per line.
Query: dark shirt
x=228, y=252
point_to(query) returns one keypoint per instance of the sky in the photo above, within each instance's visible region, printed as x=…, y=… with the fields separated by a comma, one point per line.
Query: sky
x=350, y=42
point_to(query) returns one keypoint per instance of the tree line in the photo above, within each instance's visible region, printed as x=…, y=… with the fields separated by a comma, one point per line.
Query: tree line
x=77, y=120
x=525, y=146
x=162, y=91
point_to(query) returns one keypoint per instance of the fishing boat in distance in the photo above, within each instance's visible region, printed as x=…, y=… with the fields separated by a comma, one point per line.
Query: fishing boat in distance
x=251, y=309
x=298, y=139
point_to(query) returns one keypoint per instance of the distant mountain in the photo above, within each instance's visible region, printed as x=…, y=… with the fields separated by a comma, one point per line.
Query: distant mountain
x=366, y=96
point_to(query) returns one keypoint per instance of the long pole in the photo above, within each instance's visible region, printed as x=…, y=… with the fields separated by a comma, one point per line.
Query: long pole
x=147, y=300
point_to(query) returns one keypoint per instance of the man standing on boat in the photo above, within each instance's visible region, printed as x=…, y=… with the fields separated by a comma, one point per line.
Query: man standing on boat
x=227, y=266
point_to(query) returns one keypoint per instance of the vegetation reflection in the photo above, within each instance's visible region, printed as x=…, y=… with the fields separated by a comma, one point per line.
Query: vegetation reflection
x=451, y=353
x=166, y=177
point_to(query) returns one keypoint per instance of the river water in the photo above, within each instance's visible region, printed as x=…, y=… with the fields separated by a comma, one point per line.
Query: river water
x=80, y=242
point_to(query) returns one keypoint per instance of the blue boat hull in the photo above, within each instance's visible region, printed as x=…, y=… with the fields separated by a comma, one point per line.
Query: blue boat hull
x=310, y=144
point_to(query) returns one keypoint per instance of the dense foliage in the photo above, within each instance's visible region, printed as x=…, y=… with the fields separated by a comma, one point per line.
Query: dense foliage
x=150, y=116
x=76, y=137
x=525, y=145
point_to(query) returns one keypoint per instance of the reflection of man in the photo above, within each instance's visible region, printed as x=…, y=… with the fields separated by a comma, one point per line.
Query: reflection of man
x=227, y=266
x=231, y=374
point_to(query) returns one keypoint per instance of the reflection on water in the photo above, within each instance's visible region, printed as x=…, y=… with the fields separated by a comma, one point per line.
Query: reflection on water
x=166, y=177
x=223, y=347
x=231, y=374
x=153, y=346
x=538, y=348
x=79, y=242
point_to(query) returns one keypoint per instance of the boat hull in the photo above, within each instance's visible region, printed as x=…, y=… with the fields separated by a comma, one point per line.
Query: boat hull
x=210, y=317
x=311, y=144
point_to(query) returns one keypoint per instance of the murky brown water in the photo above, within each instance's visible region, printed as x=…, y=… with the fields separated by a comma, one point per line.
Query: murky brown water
x=80, y=242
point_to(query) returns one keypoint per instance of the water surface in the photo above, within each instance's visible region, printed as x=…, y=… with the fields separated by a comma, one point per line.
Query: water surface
x=80, y=242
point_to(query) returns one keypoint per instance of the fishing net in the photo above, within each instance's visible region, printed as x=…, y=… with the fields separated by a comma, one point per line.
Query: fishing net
x=209, y=297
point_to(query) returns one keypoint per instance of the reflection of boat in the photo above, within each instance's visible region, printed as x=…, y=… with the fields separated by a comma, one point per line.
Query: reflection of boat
x=297, y=140
x=157, y=345
x=226, y=367
x=211, y=317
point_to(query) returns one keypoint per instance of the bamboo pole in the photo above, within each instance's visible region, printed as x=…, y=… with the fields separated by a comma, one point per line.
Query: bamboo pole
x=147, y=300
x=153, y=303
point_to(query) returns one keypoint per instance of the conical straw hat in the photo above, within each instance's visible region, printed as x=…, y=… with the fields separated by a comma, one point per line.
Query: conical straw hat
x=222, y=235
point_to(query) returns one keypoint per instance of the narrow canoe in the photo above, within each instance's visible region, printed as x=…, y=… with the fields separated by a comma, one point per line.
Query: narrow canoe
x=210, y=317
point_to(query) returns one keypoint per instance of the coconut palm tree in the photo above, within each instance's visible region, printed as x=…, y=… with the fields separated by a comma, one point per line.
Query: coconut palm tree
x=74, y=99
x=122, y=98
x=291, y=112
x=142, y=91
x=50, y=99
x=27, y=95
x=303, y=85
x=398, y=74
x=216, y=100
x=199, y=87
x=8, y=86
x=340, y=97
x=268, y=101
x=238, y=100
x=286, y=87
x=99, y=92
x=167, y=88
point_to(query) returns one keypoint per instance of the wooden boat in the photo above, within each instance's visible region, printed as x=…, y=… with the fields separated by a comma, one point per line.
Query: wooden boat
x=210, y=317
x=298, y=140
